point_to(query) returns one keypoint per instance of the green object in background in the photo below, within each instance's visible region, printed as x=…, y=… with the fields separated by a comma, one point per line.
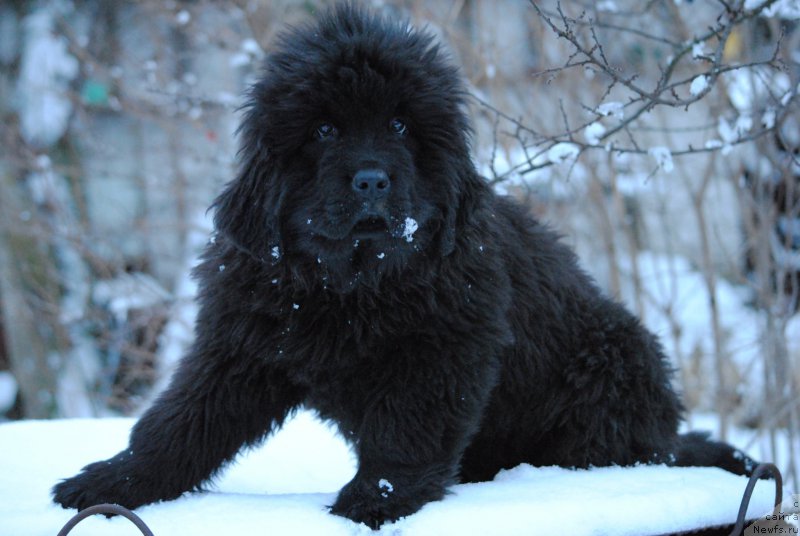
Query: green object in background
x=94, y=93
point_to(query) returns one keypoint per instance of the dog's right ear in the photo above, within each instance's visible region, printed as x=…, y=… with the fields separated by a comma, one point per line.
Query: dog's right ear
x=247, y=212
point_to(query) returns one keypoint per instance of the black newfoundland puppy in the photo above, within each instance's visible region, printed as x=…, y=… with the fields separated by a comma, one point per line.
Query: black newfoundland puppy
x=362, y=268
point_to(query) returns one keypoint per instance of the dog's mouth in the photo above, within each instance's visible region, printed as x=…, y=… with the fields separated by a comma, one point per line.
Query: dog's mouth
x=370, y=227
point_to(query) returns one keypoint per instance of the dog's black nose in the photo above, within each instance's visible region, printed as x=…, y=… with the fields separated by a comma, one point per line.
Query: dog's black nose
x=371, y=184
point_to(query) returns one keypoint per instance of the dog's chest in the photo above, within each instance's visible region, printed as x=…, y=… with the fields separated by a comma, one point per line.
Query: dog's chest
x=340, y=356
x=317, y=340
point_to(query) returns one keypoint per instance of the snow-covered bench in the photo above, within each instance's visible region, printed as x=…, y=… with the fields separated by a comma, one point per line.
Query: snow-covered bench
x=284, y=487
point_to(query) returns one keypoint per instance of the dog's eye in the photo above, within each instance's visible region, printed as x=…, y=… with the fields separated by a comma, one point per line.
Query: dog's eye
x=398, y=126
x=325, y=130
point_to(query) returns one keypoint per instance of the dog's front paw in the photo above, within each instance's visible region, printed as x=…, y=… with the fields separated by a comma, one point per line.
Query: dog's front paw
x=101, y=482
x=95, y=484
x=112, y=481
x=375, y=501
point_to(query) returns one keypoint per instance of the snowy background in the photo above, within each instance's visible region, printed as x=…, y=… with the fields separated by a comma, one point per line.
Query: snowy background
x=668, y=159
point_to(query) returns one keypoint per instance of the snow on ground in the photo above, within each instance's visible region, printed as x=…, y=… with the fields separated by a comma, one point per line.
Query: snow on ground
x=283, y=488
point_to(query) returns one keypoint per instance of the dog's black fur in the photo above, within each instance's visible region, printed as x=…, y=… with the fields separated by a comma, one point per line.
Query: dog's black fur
x=444, y=352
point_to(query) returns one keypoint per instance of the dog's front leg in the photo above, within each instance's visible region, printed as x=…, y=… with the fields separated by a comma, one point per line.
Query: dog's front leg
x=417, y=421
x=219, y=400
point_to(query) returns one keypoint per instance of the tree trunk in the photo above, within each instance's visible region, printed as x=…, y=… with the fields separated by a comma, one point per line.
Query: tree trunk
x=26, y=346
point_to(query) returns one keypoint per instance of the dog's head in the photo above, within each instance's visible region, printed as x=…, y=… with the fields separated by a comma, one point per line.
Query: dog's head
x=354, y=148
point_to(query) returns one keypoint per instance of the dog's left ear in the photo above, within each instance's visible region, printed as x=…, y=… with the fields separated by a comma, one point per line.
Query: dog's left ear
x=247, y=212
x=447, y=234
x=467, y=198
